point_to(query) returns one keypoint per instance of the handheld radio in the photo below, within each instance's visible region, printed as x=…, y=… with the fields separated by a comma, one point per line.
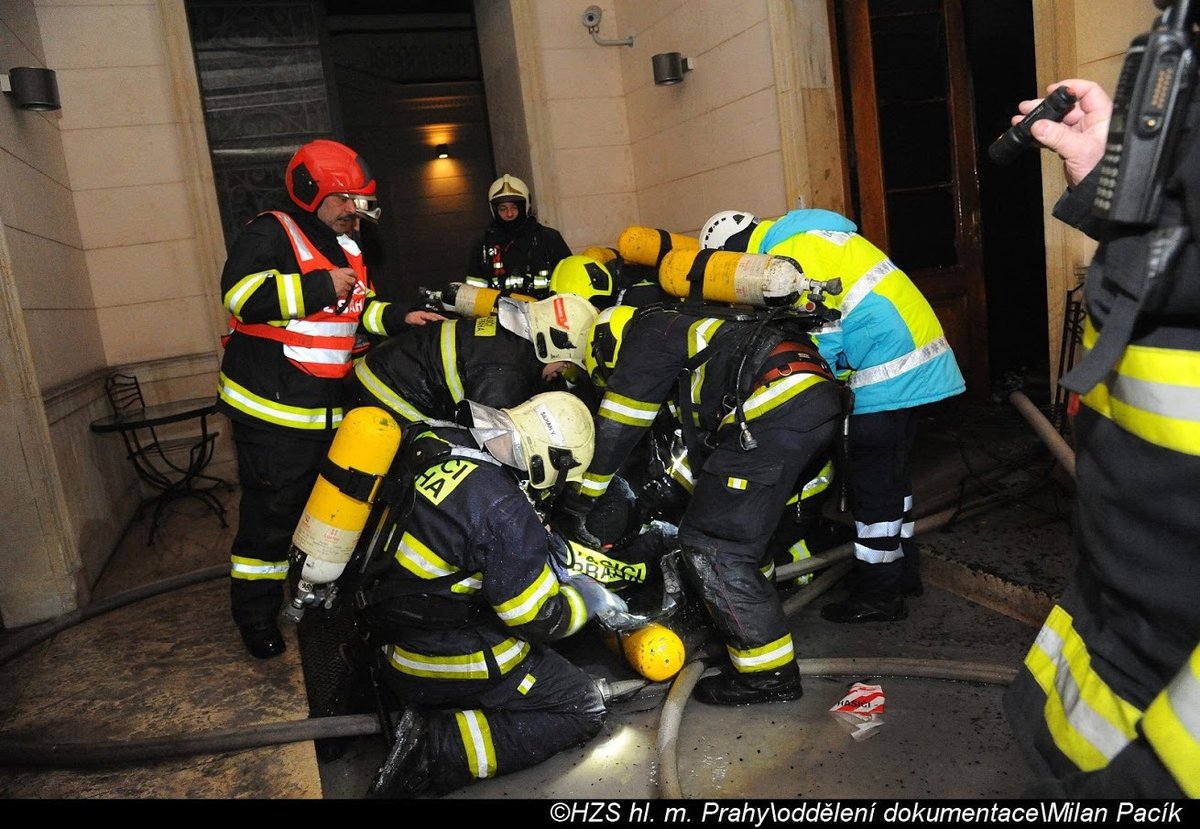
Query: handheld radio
x=1150, y=104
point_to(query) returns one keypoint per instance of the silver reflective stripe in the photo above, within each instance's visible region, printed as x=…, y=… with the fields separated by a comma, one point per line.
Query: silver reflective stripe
x=896, y=367
x=870, y=555
x=864, y=285
x=1088, y=723
x=1165, y=399
x=298, y=240
x=1184, y=696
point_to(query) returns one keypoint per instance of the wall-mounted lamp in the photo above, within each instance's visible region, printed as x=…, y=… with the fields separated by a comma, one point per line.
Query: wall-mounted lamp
x=669, y=67
x=591, y=19
x=31, y=88
x=442, y=151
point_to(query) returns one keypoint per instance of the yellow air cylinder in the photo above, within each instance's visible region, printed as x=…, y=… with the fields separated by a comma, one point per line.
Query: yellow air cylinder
x=654, y=651
x=731, y=277
x=328, y=531
x=647, y=246
x=473, y=301
x=602, y=255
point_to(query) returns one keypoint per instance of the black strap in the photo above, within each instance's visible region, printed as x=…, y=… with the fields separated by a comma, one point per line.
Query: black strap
x=353, y=482
x=695, y=276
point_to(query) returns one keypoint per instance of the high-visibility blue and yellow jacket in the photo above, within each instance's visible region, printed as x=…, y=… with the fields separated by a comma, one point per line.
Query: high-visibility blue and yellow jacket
x=888, y=346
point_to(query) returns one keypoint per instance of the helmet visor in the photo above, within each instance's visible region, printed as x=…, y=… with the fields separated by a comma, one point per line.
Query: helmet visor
x=494, y=431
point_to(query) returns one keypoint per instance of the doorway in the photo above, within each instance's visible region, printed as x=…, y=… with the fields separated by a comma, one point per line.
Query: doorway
x=393, y=81
x=928, y=85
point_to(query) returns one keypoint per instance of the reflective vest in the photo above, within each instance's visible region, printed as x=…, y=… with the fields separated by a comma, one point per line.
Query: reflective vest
x=321, y=344
x=888, y=339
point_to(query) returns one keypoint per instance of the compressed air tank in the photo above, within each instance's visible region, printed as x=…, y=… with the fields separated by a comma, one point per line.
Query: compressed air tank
x=730, y=277
x=363, y=448
x=647, y=245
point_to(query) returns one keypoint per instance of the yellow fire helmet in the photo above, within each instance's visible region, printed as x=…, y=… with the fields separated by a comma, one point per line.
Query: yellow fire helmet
x=583, y=276
x=654, y=651
x=550, y=436
x=557, y=325
x=604, y=342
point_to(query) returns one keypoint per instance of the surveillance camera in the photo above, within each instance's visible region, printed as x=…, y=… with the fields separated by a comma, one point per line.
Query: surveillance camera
x=591, y=16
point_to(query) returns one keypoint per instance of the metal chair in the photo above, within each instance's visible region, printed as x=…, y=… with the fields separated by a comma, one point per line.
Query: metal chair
x=158, y=460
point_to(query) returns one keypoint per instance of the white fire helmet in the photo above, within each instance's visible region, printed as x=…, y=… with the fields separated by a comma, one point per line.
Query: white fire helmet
x=719, y=231
x=557, y=326
x=550, y=437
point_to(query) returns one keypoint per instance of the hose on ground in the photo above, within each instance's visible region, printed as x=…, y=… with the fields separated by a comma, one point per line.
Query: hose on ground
x=108, y=753
x=1045, y=430
x=25, y=639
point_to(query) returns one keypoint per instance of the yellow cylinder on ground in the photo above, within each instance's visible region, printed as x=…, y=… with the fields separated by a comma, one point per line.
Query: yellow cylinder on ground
x=329, y=528
x=602, y=255
x=731, y=277
x=647, y=246
x=654, y=651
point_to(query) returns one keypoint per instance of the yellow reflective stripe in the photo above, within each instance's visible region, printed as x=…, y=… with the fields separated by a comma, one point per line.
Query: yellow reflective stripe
x=508, y=654
x=384, y=394
x=255, y=569
x=477, y=742
x=415, y=557
x=594, y=485
x=1153, y=393
x=774, y=395
x=471, y=584
x=681, y=471
x=295, y=417
x=523, y=607
x=798, y=552
x=1172, y=726
x=579, y=614
x=766, y=657
x=372, y=318
x=236, y=296
x=736, y=483
x=821, y=483
x=525, y=684
x=700, y=334
x=627, y=410
x=291, y=296
x=1089, y=723
x=450, y=362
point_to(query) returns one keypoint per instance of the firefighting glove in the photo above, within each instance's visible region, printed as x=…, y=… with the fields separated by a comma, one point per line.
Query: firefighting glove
x=602, y=604
x=570, y=518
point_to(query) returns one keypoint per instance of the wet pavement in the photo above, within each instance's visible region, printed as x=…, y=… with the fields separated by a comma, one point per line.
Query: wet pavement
x=171, y=666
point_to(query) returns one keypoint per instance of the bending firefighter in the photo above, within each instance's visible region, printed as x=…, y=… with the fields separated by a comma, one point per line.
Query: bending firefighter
x=297, y=290
x=469, y=595
x=430, y=372
x=763, y=405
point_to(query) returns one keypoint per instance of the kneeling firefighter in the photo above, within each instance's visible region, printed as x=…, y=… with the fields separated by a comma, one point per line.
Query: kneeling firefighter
x=757, y=405
x=466, y=596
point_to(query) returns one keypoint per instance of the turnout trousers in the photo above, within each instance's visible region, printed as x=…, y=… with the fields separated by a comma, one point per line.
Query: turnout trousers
x=735, y=507
x=277, y=473
x=480, y=729
x=880, y=477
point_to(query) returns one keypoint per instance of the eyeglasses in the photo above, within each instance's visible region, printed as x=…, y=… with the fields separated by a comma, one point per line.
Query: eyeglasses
x=362, y=206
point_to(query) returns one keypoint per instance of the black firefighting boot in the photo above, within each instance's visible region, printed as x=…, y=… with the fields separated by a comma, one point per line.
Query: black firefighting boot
x=406, y=770
x=731, y=688
x=876, y=595
x=263, y=640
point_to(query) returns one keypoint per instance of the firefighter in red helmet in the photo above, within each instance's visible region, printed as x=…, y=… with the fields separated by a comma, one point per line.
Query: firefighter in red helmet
x=297, y=290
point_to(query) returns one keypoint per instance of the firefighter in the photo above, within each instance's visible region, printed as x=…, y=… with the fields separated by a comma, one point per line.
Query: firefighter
x=297, y=291
x=472, y=592
x=586, y=277
x=764, y=405
x=517, y=252
x=429, y=372
x=890, y=349
x=1107, y=704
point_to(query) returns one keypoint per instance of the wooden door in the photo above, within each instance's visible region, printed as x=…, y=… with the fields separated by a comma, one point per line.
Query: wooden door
x=913, y=148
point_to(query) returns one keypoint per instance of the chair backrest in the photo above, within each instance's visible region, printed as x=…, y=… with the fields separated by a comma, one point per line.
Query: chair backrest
x=124, y=393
